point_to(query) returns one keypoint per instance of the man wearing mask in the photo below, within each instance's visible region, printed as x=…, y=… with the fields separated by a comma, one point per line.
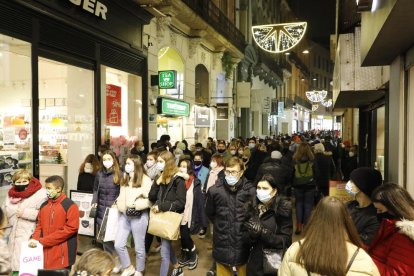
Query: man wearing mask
x=362, y=183
x=206, y=154
x=252, y=145
x=200, y=171
x=225, y=209
x=222, y=150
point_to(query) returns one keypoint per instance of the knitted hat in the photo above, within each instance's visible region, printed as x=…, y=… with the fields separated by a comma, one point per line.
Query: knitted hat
x=366, y=179
x=181, y=145
x=275, y=154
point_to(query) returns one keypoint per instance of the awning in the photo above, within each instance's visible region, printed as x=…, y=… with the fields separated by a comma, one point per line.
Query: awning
x=356, y=99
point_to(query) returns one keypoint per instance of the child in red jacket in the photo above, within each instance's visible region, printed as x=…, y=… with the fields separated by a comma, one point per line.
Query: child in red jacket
x=57, y=227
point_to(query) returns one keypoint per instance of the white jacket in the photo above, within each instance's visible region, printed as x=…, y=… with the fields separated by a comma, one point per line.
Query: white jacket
x=362, y=265
x=22, y=227
x=135, y=197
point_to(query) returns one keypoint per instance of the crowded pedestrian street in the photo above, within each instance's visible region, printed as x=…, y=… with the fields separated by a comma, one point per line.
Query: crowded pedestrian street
x=206, y=137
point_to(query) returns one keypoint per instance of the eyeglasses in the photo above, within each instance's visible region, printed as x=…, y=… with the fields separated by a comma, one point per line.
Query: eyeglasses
x=233, y=173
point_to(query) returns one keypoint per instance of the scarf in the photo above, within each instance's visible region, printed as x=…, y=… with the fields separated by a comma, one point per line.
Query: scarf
x=188, y=182
x=33, y=187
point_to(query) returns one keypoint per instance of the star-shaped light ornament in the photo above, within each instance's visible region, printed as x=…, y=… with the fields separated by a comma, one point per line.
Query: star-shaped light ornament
x=315, y=107
x=327, y=103
x=316, y=96
x=279, y=38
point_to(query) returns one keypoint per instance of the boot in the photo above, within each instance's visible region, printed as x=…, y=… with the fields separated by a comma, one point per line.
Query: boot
x=193, y=259
x=298, y=229
x=185, y=257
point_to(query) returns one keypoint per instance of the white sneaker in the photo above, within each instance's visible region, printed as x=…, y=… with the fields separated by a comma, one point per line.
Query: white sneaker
x=138, y=273
x=116, y=269
x=129, y=271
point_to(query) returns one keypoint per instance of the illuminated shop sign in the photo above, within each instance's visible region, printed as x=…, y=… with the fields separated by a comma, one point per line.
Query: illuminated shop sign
x=172, y=107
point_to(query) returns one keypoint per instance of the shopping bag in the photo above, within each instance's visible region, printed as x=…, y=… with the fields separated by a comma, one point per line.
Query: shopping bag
x=165, y=225
x=110, y=219
x=31, y=259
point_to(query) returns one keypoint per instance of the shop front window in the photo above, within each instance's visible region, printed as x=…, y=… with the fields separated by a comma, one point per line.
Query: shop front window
x=121, y=115
x=66, y=119
x=15, y=109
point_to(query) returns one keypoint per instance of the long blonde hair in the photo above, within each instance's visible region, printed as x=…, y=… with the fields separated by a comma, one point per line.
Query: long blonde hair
x=324, y=250
x=94, y=262
x=170, y=168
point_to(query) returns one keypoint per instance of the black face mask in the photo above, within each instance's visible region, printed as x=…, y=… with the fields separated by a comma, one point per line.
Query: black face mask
x=385, y=215
x=197, y=163
x=20, y=188
x=221, y=150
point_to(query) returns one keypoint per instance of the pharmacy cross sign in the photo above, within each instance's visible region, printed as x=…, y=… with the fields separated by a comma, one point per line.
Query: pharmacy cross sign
x=167, y=79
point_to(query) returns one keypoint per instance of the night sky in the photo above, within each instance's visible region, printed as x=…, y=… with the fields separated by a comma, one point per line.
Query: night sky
x=320, y=15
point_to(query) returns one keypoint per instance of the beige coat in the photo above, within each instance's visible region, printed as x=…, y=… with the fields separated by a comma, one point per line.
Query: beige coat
x=22, y=227
x=134, y=197
x=362, y=265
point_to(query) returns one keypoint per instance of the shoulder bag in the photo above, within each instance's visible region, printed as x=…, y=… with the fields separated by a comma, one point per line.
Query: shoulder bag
x=94, y=210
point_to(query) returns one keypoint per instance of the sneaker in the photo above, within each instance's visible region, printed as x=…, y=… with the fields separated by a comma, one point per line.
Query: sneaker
x=211, y=272
x=138, y=273
x=202, y=233
x=193, y=259
x=177, y=272
x=155, y=249
x=185, y=257
x=117, y=269
x=129, y=271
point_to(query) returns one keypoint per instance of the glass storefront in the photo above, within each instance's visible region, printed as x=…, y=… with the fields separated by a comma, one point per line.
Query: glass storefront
x=15, y=109
x=66, y=119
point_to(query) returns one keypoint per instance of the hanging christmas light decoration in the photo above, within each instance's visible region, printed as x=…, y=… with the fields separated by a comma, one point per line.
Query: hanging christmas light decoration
x=279, y=38
x=316, y=96
x=315, y=107
x=327, y=103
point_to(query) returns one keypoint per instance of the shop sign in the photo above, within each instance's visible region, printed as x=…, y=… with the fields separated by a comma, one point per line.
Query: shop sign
x=266, y=104
x=167, y=79
x=95, y=7
x=273, y=107
x=202, y=116
x=280, y=108
x=172, y=107
x=113, y=105
x=222, y=111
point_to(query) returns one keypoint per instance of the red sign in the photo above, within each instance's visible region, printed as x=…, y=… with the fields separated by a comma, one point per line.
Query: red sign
x=113, y=105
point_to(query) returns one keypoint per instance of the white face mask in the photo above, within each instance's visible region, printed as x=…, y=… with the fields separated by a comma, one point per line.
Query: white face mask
x=129, y=168
x=183, y=170
x=213, y=164
x=150, y=163
x=233, y=152
x=252, y=145
x=88, y=168
x=241, y=152
x=264, y=195
x=351, y=154
x=108, y=163
x=160, y=166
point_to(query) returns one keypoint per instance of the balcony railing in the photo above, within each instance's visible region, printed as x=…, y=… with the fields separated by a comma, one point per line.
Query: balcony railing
x=218, y=20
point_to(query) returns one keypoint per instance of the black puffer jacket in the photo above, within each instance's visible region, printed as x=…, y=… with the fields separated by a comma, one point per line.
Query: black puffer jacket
x=281, y=173
x=324, y=167
x=365, y=220
x=225, y=208
x=169, y=197
x=278, y=219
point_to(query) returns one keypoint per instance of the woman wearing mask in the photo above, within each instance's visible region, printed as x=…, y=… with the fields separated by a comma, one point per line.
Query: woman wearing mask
x=139, y=149
x=233, y=150
x=168, y=193
x=105, y=192
x=331, y=245
x=21, y=207
x=269, y=223
x=193, y=215
x=393, y=248
x=304, y=184
x=133, y=196
x=87, y=173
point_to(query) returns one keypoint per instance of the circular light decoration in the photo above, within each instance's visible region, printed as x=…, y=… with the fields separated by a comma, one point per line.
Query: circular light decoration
x=315, y=107
x=327, y=103
x=279, y=38
x=316, y=96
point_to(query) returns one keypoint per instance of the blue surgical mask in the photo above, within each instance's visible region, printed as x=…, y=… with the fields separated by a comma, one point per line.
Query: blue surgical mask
x=231, y=180
x=264, y=195
x=160, y=166
x=348, y=189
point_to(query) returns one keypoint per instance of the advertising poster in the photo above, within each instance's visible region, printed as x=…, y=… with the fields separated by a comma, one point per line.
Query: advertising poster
x=113, y=105
x=84, y=202
x=337, y=189
x=202, y=116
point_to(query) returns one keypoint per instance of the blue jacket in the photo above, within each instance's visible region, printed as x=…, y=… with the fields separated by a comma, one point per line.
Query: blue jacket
x=105, y=192
x=202, y=175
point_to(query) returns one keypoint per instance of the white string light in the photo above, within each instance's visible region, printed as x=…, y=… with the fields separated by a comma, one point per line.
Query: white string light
x=315, y=107
x=279, y=38
x=327, y=103
x=316, y=96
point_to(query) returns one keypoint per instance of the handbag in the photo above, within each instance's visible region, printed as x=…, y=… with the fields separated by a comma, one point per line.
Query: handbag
x=31, y=259
x=272, y=259
x=132, y=212
x=165, y=225
x=111, y=218
x=94, y=210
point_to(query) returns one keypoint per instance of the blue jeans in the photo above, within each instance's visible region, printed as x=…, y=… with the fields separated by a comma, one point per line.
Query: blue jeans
x=304, y=204
x=138, y=226
x=167, y=256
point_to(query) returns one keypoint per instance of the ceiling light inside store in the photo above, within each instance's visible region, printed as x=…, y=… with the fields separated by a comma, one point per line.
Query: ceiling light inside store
x=287, y=53
x=305, y=52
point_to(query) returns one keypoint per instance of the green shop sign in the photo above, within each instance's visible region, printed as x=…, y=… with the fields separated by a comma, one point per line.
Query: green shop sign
x=167, y=79
x=172, y=107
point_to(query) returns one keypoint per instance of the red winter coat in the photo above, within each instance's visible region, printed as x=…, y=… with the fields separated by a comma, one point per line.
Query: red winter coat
x=57, y=230
x=393, y=248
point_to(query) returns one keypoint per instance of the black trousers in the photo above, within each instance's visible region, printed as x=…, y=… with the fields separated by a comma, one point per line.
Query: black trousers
x=186, y=241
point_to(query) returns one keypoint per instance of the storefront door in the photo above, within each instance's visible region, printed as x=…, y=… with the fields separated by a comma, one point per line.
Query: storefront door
x=66, y=119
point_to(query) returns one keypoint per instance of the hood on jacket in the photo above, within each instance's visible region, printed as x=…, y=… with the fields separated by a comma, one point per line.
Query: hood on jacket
x=406, y=227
